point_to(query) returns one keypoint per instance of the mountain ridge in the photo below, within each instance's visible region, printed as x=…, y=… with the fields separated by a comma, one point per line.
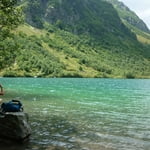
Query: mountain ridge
x=128, y=15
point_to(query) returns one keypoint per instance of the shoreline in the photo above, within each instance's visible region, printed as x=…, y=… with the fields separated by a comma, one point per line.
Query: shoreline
x=119, y=77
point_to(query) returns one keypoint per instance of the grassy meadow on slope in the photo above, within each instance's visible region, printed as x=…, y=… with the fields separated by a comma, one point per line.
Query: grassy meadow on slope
x=57, y=53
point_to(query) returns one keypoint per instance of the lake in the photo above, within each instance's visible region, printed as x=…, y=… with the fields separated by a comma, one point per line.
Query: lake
x=83, y=114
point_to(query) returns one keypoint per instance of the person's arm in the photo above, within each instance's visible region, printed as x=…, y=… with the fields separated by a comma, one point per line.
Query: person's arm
x=1, y=90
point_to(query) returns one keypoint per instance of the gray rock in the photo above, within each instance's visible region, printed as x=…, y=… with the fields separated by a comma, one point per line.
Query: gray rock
x=14, y=126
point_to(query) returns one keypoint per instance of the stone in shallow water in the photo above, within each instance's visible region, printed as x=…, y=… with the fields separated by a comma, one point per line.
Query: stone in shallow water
x=14, y=126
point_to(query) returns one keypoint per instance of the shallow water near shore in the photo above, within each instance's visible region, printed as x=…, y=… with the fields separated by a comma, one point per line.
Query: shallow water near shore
x=83, y=114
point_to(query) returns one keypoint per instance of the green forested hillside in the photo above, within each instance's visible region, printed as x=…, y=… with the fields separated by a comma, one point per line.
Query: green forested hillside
x=68, y=38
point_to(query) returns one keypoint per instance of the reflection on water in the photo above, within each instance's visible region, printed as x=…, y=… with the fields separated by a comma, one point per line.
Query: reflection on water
x=83, y=114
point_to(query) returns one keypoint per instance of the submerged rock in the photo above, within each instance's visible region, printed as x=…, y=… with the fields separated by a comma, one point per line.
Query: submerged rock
x=14, y=126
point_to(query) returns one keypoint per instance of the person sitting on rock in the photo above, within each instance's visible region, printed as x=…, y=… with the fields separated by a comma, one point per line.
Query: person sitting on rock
x=1, y=90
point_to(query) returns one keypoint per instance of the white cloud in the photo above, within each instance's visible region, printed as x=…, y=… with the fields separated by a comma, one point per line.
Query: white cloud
x=141, y=8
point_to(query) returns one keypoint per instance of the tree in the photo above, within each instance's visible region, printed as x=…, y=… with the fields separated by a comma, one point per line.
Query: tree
x=10, y=15
x=10, y=18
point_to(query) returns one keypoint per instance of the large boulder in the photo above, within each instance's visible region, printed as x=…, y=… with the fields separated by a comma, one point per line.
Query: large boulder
x=14, y=126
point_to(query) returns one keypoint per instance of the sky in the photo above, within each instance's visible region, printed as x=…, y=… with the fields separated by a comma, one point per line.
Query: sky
x=141, y=8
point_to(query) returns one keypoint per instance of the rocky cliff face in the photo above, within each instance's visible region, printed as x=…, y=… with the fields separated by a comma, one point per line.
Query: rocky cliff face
x=94, y=17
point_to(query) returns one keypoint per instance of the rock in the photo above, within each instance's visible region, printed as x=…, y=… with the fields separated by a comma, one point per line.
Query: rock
x=14, y=126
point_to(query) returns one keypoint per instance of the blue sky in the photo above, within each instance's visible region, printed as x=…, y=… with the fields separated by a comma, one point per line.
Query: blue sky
x=141, y=8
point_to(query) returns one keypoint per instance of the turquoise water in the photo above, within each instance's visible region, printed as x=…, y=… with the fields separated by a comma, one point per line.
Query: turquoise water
x=83, y=114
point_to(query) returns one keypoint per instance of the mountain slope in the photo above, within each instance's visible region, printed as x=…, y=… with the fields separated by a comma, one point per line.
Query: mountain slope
x=129, y=16
x=76, y=38
x=59, y=53
x=94, y=17
x=132, y=21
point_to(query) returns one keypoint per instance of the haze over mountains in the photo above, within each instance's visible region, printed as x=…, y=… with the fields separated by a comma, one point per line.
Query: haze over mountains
x=80, y=38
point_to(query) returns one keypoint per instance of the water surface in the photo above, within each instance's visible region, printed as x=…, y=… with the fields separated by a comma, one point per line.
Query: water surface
x=83, y=114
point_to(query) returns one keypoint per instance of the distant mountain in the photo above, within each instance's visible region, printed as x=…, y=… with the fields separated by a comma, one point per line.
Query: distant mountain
x=132, y=21
x=128, y=15
x=78, y=38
